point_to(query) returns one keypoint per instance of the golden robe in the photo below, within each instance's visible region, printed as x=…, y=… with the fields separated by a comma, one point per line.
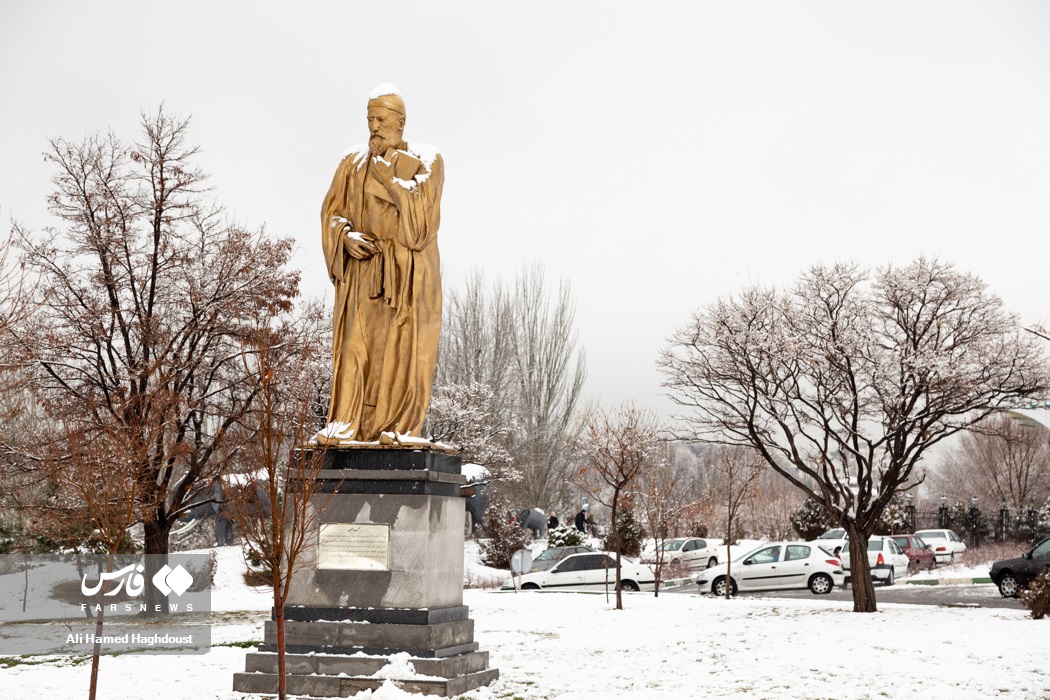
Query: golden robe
x=387, y=316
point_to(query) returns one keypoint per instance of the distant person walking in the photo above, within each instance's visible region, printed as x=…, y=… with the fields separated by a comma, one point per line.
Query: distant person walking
x=552, y=522
x=581, y=521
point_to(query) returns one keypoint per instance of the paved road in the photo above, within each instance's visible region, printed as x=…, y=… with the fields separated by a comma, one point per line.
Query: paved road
x=984, y=595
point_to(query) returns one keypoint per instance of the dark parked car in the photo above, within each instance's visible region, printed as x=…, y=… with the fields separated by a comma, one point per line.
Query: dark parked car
x=549, y=557
x=1012, y=575
x=920, y=554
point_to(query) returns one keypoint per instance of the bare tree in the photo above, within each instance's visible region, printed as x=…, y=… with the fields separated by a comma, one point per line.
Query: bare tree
x=510, y=357
x=96, y=479
x=664, y=501
x=846, y=381
x=612, y=449
x=146, y=283
x=738, y=470
x=477, y=344
x=1002, y=459
x=772, y=504
x=277, y=516
x=550, y=375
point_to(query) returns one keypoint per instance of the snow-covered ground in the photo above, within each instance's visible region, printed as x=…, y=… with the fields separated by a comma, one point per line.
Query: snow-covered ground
x=575, y=646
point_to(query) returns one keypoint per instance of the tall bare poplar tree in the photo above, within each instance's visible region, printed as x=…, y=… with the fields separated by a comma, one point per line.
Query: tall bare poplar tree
x=1001, y=460
x=146, y=284
x=512, y=356
x=845, y=382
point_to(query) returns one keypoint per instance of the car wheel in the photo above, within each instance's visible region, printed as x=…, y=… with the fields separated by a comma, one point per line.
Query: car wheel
x=713, y=561
x=629, y=586
x=530, y=587
x=821, y=584
x=676, y=569
x=719, y=587
x=1008, y=587
x=889, y=579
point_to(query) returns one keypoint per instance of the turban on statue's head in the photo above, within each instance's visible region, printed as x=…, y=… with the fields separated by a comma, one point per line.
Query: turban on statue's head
x=386, y=95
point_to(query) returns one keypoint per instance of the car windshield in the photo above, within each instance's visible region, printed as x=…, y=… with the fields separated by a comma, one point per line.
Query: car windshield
x=672, y=545
x=545, y=555
x=832, y=535
x=901, y=542
x=874, y=545
x=747, y=553
x=933, y=535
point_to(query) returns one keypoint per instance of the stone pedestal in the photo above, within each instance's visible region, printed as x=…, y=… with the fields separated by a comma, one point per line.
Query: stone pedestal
x=408, y=601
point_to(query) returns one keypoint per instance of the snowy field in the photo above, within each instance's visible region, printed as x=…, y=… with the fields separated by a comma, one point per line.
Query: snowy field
x=574, y=646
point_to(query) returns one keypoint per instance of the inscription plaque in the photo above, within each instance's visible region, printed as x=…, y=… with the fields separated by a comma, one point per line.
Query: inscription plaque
x=360, y=546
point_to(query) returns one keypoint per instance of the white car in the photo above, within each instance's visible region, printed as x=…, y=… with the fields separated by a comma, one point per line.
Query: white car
x=887, y=561
x=773, y=566
x=683, y=554
x=945, y=544
x=589, y=572
x=834, y=540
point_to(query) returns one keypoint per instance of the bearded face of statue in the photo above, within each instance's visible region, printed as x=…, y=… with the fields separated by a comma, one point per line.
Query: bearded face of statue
x=385, y=127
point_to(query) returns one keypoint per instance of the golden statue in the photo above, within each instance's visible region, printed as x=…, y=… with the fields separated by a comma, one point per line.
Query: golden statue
x=379, y=226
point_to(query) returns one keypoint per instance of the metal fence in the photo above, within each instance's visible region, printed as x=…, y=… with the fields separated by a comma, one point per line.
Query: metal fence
x=973, y=525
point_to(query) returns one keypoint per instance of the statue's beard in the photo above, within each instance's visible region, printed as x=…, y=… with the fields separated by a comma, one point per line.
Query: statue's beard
x=381, y=143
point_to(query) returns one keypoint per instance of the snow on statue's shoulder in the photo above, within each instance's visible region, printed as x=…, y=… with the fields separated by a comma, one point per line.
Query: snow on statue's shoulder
x=358, y=153
x=426, y=153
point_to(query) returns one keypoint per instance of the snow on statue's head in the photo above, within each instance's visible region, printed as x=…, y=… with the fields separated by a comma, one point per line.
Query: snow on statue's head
x=386, y=119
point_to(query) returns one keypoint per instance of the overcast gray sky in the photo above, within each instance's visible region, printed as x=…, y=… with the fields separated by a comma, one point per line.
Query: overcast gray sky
x=657, y=155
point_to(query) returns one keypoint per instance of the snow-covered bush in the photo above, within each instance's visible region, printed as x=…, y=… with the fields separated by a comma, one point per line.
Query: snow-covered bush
x=629, y=531
x=894, y=519
x=811, y=519
x=1037, y=596
x=500, y=538
x=564, y=537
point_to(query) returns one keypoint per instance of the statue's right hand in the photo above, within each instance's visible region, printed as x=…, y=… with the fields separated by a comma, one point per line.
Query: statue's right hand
x=358, y=247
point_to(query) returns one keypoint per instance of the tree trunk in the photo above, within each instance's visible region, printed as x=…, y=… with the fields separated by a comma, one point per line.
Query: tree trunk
x=860, y=571
x=156, y=535
x=729, y=569
x=96, y=653
x=619, y=547
x=278, y=616
x=729, y=559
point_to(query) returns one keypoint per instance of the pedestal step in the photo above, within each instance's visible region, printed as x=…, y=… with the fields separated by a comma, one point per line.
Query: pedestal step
x=424, y=641
x=334, y=676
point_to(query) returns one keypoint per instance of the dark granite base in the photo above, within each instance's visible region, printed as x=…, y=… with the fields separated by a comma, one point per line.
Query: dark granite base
x=398, y=616
x=399, y=458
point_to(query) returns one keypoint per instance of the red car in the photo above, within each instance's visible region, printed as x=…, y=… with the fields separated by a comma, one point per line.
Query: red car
x=920, y=554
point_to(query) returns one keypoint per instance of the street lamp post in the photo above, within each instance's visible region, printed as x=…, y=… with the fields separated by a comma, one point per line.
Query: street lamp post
x=974, y=513
x=1004, y=517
